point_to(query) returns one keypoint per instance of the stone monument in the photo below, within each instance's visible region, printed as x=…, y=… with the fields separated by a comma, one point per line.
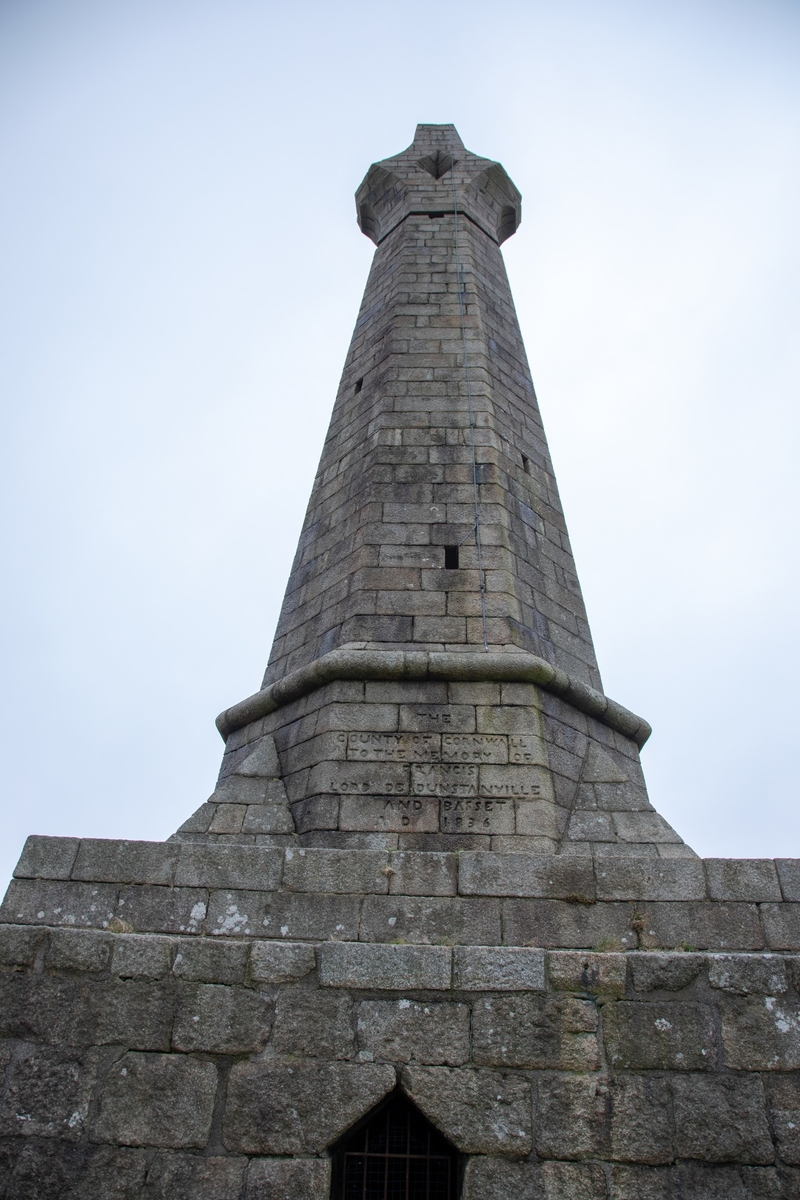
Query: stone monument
x=428, y=938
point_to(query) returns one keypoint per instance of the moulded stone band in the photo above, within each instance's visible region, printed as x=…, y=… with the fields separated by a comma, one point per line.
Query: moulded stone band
x=455, y=666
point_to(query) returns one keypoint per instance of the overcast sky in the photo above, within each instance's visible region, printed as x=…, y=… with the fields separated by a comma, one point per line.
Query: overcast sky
x=181, y=271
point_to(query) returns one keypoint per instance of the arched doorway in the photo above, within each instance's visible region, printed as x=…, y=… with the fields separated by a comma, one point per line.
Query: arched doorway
x=395, y=1153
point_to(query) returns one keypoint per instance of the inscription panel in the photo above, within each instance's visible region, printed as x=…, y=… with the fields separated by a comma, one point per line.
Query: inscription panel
x=516, y=783
x=363, y=746
x=358, y=777
x=527, y=748
x=389, y=814
x=474, y=748
x=444, y=779
x=476, y=816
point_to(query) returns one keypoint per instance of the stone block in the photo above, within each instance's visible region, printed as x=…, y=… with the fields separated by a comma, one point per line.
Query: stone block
x=635, y=826
x=19, y=944
x=276, y=1109
x=721, y=1118
x=640, y=1125
x=659, y=1036
x=481, y=1112
x=435, y=920
x=789, y=876
x=491, y=874
x=573, y=1181
x=39, y=1008
x=650, y=879
x=359, y=778
x=162, y=910
x=568, y=925
x=588, y=826
x=349, y=871
x=228, y=818
x=659, y=1183
x=406, y=1030
x=389, y=814
x=157, y=1100
x=498, y=969
x=304, y=916
x=742, y=879
x=761, y=1033
x=423, y=874
x=194, y=1177
x=783, y=1101
x=490, y=1178
x=46, y=902
x=310, y=1023
x=47, y=1094
x=781, y=926
x=503, y=718
x=132, y=1013
x=764, y=974
x=110, y=860
x=268, y=818
x=142, y=956
x=281, y=962
x=288, y=1179
x=535, y=1032
x=654, y=972
x=216, y=866
x=598, y=974
x=47, y=858
x=570, y=1116
x=705, y=926
x=79, y=950
x=437, y=718
x=384, y=967
x=211, y=961
x=216, y=1019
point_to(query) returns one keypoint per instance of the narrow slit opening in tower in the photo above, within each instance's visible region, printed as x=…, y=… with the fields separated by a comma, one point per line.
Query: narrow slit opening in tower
x=451, y=558
x=435, y=215
x=358, y=387
x=526, y=464
x=395, y=1153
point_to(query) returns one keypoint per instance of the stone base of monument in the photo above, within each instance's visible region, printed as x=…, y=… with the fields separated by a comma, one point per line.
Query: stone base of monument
x=212, y=1021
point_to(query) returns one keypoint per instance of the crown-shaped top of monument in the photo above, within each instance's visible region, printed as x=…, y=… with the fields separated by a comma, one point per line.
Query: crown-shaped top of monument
x=435, y=172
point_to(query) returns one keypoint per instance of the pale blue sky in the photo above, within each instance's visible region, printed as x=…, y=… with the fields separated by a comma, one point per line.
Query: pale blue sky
x=181, y=271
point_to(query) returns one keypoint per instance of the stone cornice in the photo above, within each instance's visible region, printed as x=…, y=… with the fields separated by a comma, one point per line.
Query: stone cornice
x=451, y=667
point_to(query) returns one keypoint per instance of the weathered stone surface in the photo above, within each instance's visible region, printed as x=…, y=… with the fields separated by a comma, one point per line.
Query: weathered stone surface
x=721, y=1118
x=481, y=1112
x=525, y=875
x=496, y=1179
x=192, y=1177
x=573, y=1181
x=39, y=1008
x=559, y=925
x=276, y=1109
x=599, y=974
x=764, y=974
x=221, y=1020
x=391, y=968
x=498, y=968
x=783, y=1099
x=438, y=920
x=781, y=926
x=349, y=871
x=47, y=858
x=19, y=944
x=116, y=861
x=570, y=1116
x=47, y=1095
x=651, y=879
x=209, y=960
x=655, y=1035
x=314, y=1024
x=640, y=1125
x=162, y=910
x=423, y=874
x=761, y=1033
x=142, y=956
x=409, y=1031
x=157, y=1100
x=304, y=916
x=281, y=962
x=132, y=1013
x=705, y=926
x=222, y=866
x=531, y=1031
x=653, y=972
x=742, y=879
x=288, y=1179
x=79, y=950
x=46, y=902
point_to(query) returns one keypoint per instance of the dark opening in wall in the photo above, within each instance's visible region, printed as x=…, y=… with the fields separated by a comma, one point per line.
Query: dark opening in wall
x=437, y=214
x=395, y=1153
x=451, y=558
x=359, y=385
x=526, y=464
